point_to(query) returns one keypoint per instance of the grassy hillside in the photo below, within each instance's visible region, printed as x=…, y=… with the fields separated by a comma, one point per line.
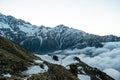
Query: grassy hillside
x=13, y=58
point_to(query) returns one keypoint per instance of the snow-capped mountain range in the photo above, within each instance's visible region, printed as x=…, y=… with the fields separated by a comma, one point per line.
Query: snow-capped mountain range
x=40, y=39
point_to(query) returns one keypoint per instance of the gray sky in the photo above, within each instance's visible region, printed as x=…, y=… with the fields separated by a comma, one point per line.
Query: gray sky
x=93, y=16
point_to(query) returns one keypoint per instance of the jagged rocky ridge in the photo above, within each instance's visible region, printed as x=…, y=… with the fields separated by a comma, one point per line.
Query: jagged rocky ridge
x=41, y=39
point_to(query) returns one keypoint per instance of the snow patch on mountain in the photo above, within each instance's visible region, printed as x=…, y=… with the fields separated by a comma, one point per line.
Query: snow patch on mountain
x=49, y=59
x=38, y=61
x=8, y=75
x=5, y=26
x=69, y=60
x=36, y=70
x=84, y=77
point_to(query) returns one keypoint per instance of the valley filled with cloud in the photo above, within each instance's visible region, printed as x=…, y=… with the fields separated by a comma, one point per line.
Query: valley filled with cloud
x=106, y=58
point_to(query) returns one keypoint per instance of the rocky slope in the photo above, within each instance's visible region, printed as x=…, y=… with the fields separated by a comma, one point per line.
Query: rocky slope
x=77, y=67
x=18, y=64
x=41, y=39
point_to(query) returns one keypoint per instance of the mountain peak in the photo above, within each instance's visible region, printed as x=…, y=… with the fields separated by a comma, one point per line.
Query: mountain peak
x=1, y=14
x=61, y=25
x=40, y=38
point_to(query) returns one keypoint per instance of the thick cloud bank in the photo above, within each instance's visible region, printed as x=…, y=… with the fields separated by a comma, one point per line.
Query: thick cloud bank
x=106, y=58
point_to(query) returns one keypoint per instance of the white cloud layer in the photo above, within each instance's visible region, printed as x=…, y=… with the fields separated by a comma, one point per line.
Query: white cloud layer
x=106, y=58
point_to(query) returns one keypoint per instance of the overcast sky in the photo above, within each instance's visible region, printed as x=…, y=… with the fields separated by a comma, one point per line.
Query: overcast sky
x=93, y=16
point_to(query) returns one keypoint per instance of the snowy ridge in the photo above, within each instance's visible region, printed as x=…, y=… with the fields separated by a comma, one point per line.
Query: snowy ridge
x=50, y=39
x=7, y=75
x=35, y=70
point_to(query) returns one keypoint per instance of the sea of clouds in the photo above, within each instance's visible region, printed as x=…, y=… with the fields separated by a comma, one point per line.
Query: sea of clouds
x=106, y=58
